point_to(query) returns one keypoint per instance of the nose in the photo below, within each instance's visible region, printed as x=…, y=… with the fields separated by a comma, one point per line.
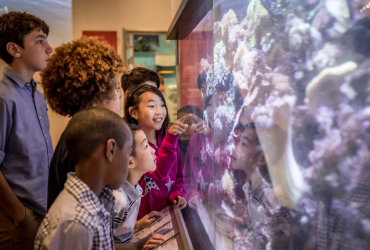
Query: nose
x=158, y=111
x=49, y=49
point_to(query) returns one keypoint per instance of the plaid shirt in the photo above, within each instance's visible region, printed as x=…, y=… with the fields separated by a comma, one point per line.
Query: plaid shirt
x=78, y=219
x=346, y=225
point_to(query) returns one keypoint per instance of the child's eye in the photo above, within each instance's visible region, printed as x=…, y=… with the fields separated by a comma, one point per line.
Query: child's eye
x=39, y=42
x=146, y=146
x=151, y=106
x=244, y=144
x=163, y=105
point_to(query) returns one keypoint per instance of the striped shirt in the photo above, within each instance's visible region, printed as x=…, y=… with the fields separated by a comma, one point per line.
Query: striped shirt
x=269, y=219
x=125, y=212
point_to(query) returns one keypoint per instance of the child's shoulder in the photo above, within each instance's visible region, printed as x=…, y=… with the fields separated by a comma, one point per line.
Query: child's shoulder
x=120, y=199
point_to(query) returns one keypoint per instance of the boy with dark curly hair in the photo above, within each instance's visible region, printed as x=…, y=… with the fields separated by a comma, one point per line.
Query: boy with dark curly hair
x=81, y=74
x=25, y=144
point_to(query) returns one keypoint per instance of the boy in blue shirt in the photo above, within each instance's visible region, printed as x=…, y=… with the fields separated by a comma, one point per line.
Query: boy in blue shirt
x=25, y=144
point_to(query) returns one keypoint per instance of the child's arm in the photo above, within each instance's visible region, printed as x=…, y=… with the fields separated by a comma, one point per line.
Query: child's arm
x=177, y=189
x=166, y=159
x=8, y=201
x=190, y=164
x=167, y=153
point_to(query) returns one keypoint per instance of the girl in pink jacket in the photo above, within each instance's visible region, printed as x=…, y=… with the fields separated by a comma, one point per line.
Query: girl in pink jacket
x=146, y=107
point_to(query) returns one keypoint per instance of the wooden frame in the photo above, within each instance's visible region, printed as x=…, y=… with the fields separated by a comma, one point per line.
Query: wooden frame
x=135, y=32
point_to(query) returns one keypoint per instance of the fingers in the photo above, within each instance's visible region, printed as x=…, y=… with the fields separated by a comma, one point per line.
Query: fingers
x=159, y=237
x=185, y=117
x=151, y=220
x=155, y=213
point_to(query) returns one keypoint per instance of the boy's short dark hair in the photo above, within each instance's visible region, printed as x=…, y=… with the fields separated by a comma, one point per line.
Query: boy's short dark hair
x=80, y=74
x=133, y=78
x=91, y=128
x=134, y=128
x=14, y=26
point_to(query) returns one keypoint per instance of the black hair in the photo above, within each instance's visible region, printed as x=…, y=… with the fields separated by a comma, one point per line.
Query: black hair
x=190, y=109
x=91, y=128
x=131, y=79
x=14, y=27
x=202, y=78
x=133, y=100
x=134, y=128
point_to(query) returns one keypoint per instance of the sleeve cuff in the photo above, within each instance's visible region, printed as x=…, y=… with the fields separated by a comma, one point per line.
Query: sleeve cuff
x=174, y=194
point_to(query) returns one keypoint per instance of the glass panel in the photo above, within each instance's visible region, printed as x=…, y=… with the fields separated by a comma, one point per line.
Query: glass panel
x=285, y=160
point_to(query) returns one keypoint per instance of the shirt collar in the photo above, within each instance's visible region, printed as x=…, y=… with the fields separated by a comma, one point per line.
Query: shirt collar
x=132, y=192
x=17, y=77
x=86, y=196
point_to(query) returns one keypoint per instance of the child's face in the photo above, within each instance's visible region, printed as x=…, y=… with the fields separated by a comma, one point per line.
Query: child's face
x=36, y=52
x=115, y=104
x=118, y=171
x=151, y=112
x=246, y=152
x=144, y=161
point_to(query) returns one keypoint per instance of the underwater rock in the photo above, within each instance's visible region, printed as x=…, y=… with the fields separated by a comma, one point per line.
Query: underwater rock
x=338, y=9
x=326, y=56
x=228, y=21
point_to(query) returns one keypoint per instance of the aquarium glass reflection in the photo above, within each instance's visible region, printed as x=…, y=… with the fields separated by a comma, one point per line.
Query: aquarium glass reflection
x=280, y=158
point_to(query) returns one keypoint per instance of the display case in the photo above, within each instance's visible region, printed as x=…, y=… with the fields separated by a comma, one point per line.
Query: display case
x=282, y=89
x=172, y=225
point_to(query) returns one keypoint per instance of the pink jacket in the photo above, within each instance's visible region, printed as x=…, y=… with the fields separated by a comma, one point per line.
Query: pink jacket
x=163, y=185
x=203, y=169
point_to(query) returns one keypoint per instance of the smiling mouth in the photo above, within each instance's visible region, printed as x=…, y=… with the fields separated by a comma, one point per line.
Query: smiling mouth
x=158, y=120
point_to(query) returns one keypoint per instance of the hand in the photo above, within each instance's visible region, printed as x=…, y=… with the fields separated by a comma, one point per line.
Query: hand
x=180, y=201
x=193, y=202
x=148, y=219
x=18, y=218
x=179, y=126
x=201, y=126
x=153, y=241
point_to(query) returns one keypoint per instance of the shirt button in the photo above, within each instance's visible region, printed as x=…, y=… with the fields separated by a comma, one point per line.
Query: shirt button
x=40, y=117
x=28, y=84
x=45, y=136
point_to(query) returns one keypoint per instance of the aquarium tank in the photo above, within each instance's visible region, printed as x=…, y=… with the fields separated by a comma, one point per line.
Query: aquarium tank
x=280, y=157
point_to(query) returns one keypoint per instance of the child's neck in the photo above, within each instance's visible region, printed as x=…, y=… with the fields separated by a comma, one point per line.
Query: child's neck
x=134, y=176
x=23, y=71
x=151, y=134
x=90, y=177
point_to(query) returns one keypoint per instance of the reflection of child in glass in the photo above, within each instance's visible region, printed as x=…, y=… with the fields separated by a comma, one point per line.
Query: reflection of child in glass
x=146, y=107
x=128, y=197
x=264, y=210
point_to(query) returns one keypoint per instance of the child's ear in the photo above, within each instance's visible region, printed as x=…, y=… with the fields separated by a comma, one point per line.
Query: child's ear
x=131, y=163
x=13, y=49
x=261, y=160
x=132, y=112
x=111, y=149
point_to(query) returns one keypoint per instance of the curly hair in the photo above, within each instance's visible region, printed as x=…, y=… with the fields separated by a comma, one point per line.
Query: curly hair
x=137, y=76
x=79, y=74
x=14, y=26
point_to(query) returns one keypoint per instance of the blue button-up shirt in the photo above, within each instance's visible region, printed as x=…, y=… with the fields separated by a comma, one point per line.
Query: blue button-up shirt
x=25, y=144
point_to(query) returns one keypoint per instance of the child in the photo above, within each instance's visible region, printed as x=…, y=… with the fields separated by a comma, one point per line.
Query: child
x=80, y=217
x=146, y=107
x=272, y=223
x=137, y=76
x=71, y=85
x=25, y=143
x=128, y=197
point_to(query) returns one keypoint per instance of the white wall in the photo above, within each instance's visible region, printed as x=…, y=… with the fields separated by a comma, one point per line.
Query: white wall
x=114, y=15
